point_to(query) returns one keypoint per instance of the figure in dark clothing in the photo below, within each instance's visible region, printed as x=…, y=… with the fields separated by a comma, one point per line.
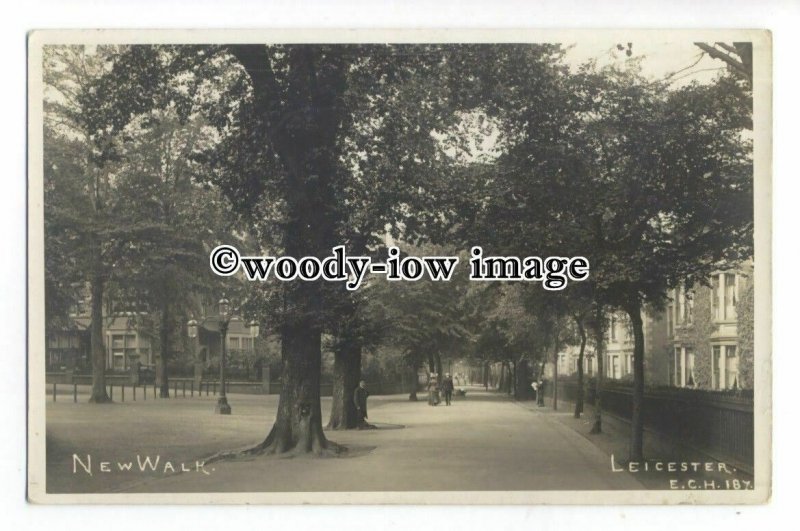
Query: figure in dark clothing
x=360, y=400
x=447, y=388
x=540, y=393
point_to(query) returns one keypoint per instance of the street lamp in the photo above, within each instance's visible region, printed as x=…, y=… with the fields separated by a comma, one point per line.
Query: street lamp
x=222, y=407
x=191, y=328
x=254, y=329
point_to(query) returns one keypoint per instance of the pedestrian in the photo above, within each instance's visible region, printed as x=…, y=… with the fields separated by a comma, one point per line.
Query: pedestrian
x=535, y=387
x=433, y=390
x=447, y=388
x=540, y=393
x=360, y=400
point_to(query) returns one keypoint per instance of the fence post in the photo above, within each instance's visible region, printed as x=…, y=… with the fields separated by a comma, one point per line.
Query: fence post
x=154, y=391
x=134, y=392
x=192, y=388
x=111, y=394
x=175, y=388
x=184, y=389
x=123, y=392
x=75, y=393
x=54, y=391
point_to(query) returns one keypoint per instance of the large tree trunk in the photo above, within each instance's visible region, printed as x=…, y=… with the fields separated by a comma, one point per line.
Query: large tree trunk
x=303, y=132
x=438, y=359
x=599, y=338
x=298, y=425
x=346, y=375
x=634, y=311
x=163, y=339
x=579, y=397
x=99, y=394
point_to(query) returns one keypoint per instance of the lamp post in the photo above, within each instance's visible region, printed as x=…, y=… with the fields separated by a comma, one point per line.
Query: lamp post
x=222, y=407
x=191, y=327
x=254, y=330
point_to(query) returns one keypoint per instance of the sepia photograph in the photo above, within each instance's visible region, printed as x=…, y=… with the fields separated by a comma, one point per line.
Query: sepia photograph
x=399, y=267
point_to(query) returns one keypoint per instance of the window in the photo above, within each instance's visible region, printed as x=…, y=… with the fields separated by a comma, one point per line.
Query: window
x=730, y=296
x=689, y=307
x=725, y=367
x=669, y=319
x=614, y=367
x=144, y=349
x=628, y=363
x=613, y=327
x=233, y=342
x=731, y=367
x=689, y=363
x=678, y=367
x=715, y=297
x=123, y=350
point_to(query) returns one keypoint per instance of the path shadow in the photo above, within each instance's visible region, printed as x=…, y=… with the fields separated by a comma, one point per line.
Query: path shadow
x=385, y=426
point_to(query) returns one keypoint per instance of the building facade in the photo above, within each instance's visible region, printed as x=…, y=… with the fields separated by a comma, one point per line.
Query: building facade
x=129, y=341
x=710, y=329
x=618, y=354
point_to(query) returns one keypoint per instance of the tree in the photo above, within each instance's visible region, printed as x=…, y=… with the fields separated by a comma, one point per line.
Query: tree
x=306, y=125
x=307, y=132
x=176, y=221
x=426, y=320
x=676, y=198
x=359, y=326
x=652, y=185
x=738, y=56
x=78, y=193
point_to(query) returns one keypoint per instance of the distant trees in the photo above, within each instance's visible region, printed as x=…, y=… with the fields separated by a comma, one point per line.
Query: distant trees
x=426, y=320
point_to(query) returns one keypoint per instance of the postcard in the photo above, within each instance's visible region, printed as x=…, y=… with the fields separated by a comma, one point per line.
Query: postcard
x=399, y=266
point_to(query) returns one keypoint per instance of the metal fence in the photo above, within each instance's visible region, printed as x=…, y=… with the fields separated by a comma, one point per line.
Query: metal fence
x=717, y=423
x=67, y=386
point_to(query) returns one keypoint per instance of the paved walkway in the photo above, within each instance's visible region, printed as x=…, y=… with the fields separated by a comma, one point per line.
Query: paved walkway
x=483, y=442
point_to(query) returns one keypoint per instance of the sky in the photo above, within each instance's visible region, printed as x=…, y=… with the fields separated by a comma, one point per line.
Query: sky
x=660, y=58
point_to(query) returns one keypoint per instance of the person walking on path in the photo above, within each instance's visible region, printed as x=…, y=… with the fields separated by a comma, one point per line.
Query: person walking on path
x=540, y=393
x=447, y=388
x=360, y=400
x=433, y=390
